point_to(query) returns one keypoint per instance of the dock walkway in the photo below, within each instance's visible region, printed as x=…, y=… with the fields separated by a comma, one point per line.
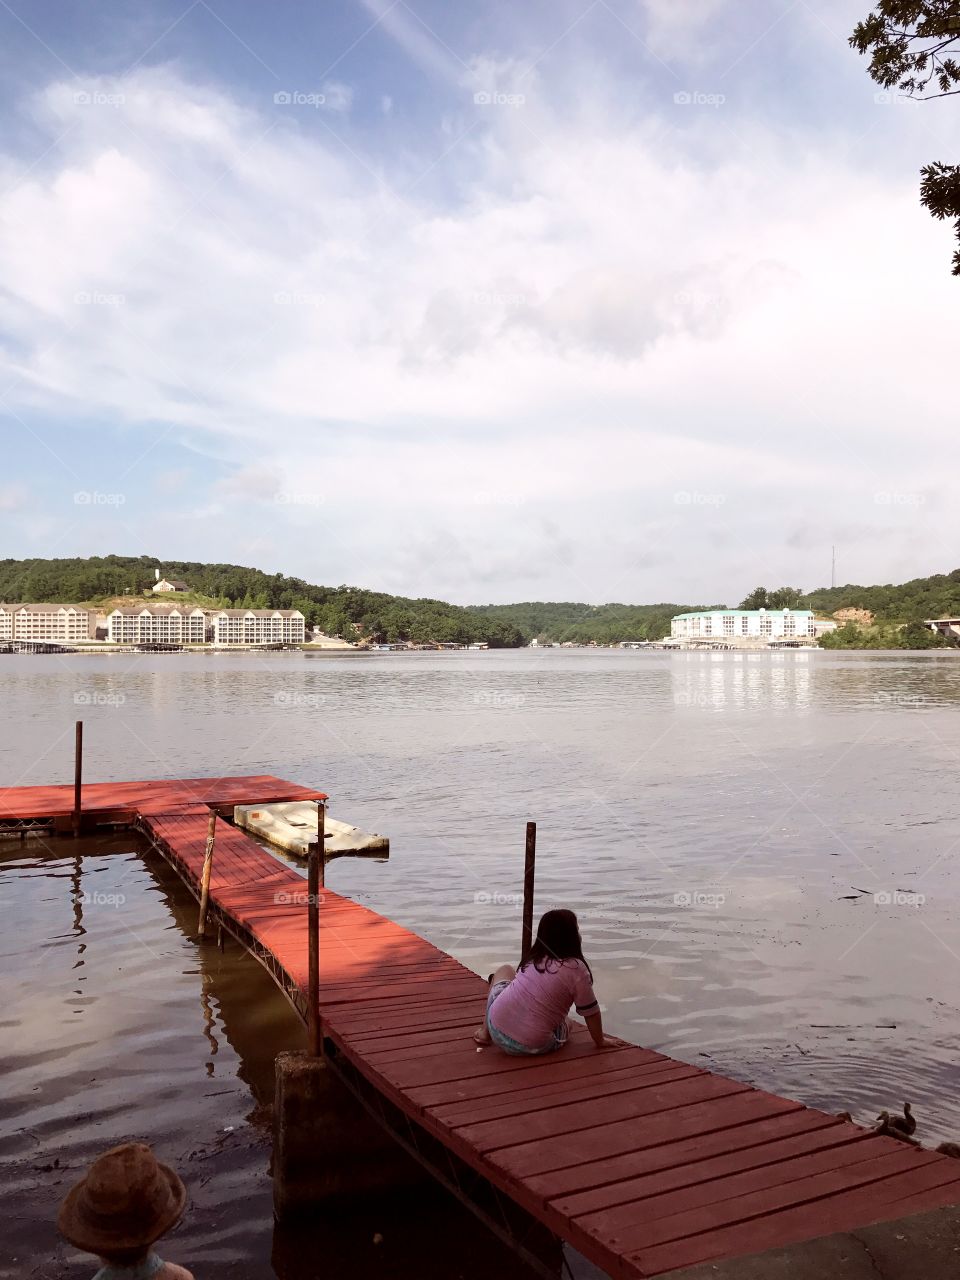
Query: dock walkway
x=644, y=1164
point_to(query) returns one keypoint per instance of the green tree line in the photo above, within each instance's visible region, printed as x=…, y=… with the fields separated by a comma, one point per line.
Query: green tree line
x=585, y=624
x=898, y=609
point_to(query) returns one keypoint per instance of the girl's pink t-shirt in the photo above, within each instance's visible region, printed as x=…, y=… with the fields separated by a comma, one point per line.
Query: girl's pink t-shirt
x=536, y=1001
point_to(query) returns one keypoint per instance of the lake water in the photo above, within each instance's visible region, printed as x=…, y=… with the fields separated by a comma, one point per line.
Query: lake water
x=117, y=1027
x=762, y=847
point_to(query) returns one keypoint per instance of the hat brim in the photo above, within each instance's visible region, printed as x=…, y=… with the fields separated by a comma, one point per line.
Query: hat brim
x=90, y=1237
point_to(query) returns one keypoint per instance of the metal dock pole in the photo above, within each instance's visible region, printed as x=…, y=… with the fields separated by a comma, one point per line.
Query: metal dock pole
x=315, y=879
x=207, y=868
x=530, y=858
x=77, y=777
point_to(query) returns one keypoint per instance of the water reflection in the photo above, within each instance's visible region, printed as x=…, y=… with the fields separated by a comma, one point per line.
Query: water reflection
x=717, y=681
x=172, y=1043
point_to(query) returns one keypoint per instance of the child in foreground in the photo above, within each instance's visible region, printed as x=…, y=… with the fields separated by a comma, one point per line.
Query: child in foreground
x=123, y=1205
x=527, y=1008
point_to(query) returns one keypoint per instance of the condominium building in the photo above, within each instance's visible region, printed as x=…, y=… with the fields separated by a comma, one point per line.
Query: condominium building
x=259, y=626
x=153, y=624
x=744, y=626
x=53, y=622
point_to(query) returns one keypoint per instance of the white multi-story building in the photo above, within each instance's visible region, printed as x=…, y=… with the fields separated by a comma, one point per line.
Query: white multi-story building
x=152, y=624
x=259, y=626
x=744, y=626
x=52, y=622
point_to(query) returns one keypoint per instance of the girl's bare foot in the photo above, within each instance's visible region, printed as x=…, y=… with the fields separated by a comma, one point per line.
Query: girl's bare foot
x=482, y=1035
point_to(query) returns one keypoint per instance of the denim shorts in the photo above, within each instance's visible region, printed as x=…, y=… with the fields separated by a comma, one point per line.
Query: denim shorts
x=508, y=1044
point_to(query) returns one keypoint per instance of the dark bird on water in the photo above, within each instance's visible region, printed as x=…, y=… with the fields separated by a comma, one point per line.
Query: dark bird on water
x=897, y=1126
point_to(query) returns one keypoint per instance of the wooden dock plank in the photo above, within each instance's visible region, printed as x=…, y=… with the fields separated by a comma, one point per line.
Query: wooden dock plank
x=793, y=1178
x=872, y=1203
x=724, y=1210
x=543, y=1155
x=557, y=1068
x=539, y=1098
x=646, y=1164
x=674, y=1153
x=576, y=1117
x=371, y=1020
x=687, y=1164
x=151, y=797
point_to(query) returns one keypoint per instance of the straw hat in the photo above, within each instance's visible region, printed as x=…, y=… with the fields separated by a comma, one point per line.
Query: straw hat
x=127, y=1199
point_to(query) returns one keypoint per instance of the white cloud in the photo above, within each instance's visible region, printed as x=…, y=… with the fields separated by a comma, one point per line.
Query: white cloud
x=337, y=96
x=677, y=30
x=600, y=313
x=13, y=497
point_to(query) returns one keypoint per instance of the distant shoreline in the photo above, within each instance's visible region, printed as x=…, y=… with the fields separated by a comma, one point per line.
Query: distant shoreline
x=330, y=652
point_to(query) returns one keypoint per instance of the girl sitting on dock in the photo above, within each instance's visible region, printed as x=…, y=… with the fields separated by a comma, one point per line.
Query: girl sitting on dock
x=527, y=1008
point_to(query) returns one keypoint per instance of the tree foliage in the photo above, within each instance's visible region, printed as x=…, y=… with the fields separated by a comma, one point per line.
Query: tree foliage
x=563, y=622
x=781, y=598
x=934, y=597
x=885, y=636
x=912, y=47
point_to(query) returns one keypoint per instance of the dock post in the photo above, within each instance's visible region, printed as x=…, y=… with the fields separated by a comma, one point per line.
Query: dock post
x=77, y=777
x=328, y=1151
x=207, y=868
x=530, y=858
x=321, y=837
x=315, y=878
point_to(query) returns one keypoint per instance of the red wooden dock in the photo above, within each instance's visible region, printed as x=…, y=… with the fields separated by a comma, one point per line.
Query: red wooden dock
x=644, y=1164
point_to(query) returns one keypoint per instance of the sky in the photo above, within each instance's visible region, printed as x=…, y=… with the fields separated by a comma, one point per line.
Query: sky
x=597, y=300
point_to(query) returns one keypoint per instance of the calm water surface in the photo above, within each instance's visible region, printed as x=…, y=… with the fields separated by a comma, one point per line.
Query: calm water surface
x=117, y=1027
x=762, y=848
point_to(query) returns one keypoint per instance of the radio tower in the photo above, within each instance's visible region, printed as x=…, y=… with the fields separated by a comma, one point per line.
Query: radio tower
x=833, y=566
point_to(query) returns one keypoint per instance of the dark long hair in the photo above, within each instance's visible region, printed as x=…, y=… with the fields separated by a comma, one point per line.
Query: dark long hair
x=558, y=938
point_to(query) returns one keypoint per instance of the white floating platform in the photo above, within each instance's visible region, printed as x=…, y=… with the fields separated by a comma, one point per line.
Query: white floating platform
x=293, y=826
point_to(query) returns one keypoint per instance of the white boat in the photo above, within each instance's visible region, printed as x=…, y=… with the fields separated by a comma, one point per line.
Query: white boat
x=293, y=826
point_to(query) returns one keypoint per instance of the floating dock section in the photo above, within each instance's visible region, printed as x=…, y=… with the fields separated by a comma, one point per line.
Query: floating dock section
x=293, y=827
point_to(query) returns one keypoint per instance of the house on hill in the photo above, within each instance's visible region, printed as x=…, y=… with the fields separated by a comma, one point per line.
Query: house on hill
x=169, y=584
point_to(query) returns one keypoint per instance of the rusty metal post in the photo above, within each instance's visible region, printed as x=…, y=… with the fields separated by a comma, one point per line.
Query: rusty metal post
x=529, y=862
x=315, y=878
x=77, y=777
x=321, y=838
x=205, y=878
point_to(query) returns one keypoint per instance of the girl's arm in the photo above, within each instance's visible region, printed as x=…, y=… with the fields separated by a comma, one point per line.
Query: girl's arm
x=594, y=1023
x=585, y=1003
